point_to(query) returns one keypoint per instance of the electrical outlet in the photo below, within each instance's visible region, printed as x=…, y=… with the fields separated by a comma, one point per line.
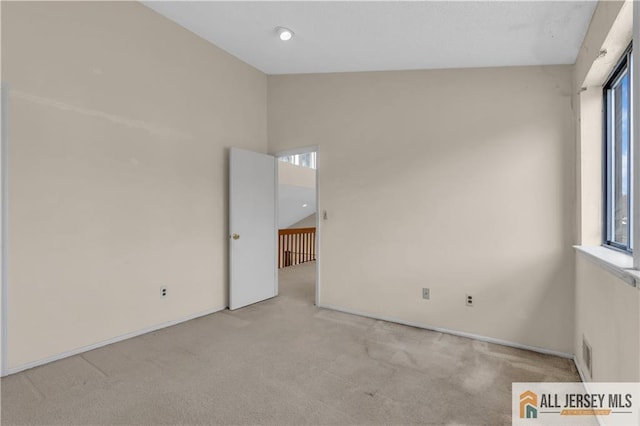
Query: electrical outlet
x=469, y=300
x=425, y=293
x=163, y=291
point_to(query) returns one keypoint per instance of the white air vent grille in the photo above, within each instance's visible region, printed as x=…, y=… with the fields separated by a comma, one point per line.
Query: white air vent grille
x=587, y=356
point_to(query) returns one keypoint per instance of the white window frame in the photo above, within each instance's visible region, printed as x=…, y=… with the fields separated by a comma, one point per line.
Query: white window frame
x=623, y=68
x=635, y=130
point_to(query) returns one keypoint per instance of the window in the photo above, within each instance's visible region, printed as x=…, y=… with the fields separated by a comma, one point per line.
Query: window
x=618, y=170
x=307, y=159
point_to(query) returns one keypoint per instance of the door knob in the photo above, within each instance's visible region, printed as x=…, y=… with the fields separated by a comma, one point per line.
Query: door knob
x=235, y=236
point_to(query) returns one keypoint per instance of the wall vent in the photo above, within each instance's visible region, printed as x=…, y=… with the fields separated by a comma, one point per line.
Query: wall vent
x=586, y=356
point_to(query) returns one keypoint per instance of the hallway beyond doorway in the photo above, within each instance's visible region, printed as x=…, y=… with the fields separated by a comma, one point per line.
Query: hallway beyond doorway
x=298, y=283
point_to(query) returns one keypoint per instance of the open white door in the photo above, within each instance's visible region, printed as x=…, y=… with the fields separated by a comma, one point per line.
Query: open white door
x=252, y=227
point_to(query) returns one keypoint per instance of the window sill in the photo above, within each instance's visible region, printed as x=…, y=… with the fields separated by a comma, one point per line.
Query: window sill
x=618, y=263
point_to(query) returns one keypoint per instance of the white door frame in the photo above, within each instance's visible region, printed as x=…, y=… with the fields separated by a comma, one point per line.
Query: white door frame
x=304, y=150
x=4, y=222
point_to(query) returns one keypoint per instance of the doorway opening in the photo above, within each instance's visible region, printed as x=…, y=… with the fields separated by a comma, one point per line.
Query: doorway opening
x=298, y=234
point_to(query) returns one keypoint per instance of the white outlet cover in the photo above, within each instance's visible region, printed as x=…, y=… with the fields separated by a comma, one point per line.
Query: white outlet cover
x=426, y=293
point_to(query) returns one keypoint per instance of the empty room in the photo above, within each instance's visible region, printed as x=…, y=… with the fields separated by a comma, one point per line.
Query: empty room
x=319, y=212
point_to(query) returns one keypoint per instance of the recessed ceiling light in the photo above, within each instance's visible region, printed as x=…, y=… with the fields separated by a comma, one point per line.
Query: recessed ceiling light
x=285, y=34
x=304, y=205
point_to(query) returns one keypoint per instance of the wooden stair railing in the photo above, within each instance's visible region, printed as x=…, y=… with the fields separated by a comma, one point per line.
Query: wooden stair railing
x=296, y=246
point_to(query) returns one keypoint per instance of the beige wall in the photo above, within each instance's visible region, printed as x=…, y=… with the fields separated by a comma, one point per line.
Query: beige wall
x=121, y=186
x=606, y=14
x=290, y=174
x=610, y=30
x=466, y=178
x=607, y=309
x=608, y=316
x=120, y=121
x=589, y=155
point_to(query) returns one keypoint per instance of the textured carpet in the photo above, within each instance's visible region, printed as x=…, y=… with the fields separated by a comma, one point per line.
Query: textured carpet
x=282, y=361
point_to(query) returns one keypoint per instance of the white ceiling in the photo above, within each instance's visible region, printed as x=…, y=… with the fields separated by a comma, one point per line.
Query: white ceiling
x=291, y=200
x=387, y=35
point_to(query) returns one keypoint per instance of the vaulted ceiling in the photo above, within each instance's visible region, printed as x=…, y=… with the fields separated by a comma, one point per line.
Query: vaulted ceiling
x=337, y=36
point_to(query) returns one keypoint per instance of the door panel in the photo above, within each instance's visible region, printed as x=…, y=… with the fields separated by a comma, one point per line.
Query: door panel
x=252, y=227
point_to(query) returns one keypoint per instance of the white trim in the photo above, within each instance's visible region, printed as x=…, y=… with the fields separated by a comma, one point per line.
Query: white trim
x=586, y=385
x=318, y=232
x=4, y=223
x=617, y=263
x=635, y=133
x=580, y=372
x=276, y=237
x=452, y=332
x=296, y=151
x=87, y=348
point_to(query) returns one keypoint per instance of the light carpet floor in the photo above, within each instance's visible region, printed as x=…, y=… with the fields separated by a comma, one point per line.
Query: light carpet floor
x=282, y=361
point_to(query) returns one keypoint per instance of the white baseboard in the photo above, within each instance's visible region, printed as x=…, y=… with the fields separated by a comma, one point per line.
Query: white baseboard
x=91, y=347
x=452, y=332
x=146, y=330
x=580, y=372
x=586, y=383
